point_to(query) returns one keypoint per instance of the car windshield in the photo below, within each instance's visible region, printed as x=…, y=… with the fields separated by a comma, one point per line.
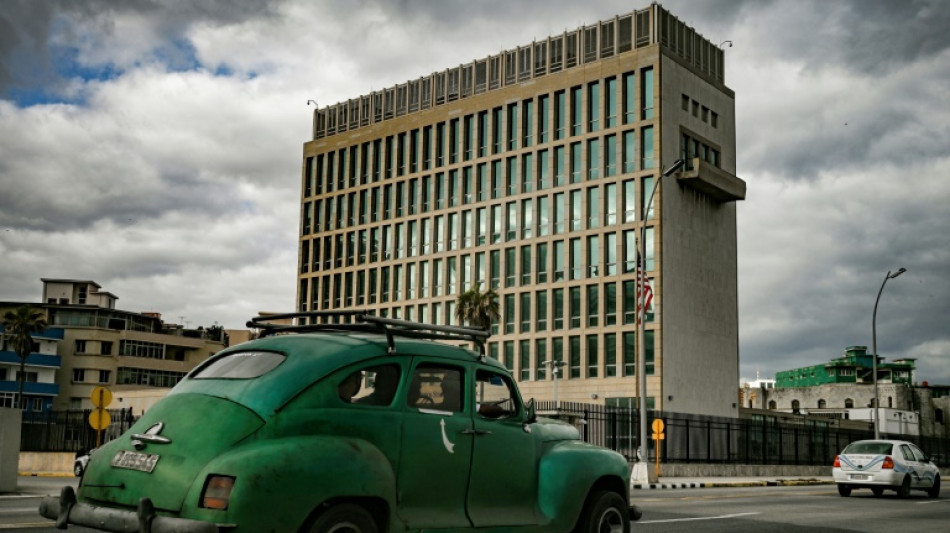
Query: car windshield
x=876, y=448
x=240, y=365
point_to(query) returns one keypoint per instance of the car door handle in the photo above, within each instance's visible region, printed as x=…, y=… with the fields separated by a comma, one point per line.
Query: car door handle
x=475, y=432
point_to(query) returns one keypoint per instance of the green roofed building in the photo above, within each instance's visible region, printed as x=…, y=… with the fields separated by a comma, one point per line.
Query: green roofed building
x=856, y=366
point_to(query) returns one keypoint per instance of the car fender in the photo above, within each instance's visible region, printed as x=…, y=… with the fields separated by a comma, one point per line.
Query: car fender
x=291, y=477
x=568, y=471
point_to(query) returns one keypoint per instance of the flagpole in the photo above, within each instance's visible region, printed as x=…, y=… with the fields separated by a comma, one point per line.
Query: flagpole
x=641, y=325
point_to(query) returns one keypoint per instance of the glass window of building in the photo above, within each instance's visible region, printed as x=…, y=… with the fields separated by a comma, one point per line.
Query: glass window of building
x=497, y=221
x=557, y=308
x=541, y=310
x=577, y=111
x=510, y=267
x=508, y=354
x=560, y=115
x=468, y=228
x=524, y=351
x=527, y=125
x=650, y=352
x=483, y=191
x=559, y=261
x=439, y=236
x=629, y=200
x=593, y=305
x=498, y=123
x=629, y=354
x=577, y=163
x=512, y=230
x=527, y=218
x=593, y=207
x=453, y=228
x=510, y=313
x=577, y=261
x=610, y=103
x=513, y=126
x=451, y=277
x=593, y=256
x=468, y=185
x=610, y=254
x=610, y=155
x=574, y=353
x=593, y=106
x=610, y=204
x=541, y=256
x=577, y=210
x=544, y=217
x=525, y=312
x=575, y=307
x=647, y=92
x=541, y=358
x=610, y=304
x=527, y=169
x=513, y=176
x=593, y=159
x=560, y=213
x=593, y=363
x=454, y=188
x=646, y=151
x=526, y=265
x=437, y=277
x=544, y=170
x=466, y=273
x=610, y=355
x=544, y=118
x=495, y=266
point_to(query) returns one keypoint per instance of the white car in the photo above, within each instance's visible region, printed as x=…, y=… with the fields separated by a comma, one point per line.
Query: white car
x=882, y=465
x=79, y=464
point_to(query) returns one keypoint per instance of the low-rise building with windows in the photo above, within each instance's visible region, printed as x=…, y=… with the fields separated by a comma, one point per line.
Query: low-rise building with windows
x=101, y=345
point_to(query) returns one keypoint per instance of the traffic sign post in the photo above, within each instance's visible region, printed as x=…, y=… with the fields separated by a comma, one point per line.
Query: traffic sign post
x=99, y=418
x=658, y=435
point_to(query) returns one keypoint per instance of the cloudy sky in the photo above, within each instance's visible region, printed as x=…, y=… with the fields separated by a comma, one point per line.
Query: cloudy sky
x=154, y=146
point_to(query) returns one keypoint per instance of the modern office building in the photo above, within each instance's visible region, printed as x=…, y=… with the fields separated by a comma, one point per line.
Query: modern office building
x=529, y=172
x=96, y=344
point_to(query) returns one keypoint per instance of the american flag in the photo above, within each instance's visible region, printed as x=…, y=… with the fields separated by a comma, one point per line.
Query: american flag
x=645, y=293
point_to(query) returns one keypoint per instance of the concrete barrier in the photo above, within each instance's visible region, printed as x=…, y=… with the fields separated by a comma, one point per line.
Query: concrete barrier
x=46, y=463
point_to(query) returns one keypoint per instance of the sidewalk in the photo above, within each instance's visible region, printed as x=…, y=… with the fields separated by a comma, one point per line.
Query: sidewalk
x=713, y=482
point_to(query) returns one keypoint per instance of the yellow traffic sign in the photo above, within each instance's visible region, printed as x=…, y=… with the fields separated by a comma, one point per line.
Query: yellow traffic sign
x=99, y=419
x=101, y=397
x=658, y=426
x=659, y=436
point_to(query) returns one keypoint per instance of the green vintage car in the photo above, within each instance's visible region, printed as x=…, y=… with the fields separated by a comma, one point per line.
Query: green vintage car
x=349, y=423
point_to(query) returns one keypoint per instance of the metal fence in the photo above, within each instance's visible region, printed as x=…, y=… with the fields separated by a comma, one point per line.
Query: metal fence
x=707, y=439
x=68, y=431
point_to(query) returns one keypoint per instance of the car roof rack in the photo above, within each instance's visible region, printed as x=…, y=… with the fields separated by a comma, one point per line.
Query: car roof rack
x=364, y=321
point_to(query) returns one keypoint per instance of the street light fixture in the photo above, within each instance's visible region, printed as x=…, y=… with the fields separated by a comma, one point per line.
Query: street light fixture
x=640, y=324
x=875, y=416
x=555, y=366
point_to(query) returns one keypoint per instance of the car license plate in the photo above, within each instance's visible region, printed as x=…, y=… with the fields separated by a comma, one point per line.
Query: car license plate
x=143, y=462
x=859, y=477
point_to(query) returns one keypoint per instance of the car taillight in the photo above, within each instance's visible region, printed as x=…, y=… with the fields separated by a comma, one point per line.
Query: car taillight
x=837, y=462
x=217, y=492
x=888, y=463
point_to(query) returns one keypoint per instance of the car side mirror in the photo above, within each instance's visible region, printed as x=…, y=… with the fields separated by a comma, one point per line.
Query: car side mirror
x=531, y=415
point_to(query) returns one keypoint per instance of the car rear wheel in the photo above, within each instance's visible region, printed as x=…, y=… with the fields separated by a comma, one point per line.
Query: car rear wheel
x=934, y=491
x=844, y=490
x=344, y=518
x=877, y=491
x=604, y=512
x=904, y=490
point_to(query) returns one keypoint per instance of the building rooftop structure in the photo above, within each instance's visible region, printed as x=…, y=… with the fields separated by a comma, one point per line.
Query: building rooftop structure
x=855, y=366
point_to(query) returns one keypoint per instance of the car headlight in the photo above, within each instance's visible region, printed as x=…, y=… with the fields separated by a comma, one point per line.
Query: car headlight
x=217, y=492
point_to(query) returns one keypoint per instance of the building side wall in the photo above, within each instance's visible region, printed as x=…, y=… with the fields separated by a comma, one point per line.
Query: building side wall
x=698, y=292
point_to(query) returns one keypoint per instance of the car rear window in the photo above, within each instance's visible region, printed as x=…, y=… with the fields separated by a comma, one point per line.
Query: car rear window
x=876, y=448
x=241, y=365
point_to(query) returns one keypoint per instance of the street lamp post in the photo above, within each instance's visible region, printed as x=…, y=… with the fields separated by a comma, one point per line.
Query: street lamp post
x=640, y=324
x=555, y=370
x=875, y=415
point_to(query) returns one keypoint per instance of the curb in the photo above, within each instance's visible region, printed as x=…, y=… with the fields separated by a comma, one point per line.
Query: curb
x=723, y=484
x=45, y=474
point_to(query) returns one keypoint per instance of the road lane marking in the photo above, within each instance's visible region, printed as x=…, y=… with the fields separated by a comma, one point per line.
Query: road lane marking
x=697, y=518
x=933, y=501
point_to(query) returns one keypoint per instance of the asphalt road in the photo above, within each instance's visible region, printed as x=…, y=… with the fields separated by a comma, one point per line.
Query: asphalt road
x=796, y=508
x=721, y=509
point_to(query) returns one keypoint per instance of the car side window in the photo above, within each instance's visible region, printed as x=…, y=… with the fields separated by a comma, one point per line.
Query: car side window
x=918, y=454
x=436, y=387
x=375, y=385
x=496, y=396
x=908, y=455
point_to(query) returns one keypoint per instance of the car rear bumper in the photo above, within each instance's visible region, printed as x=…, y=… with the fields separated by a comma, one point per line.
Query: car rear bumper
x=883, y=478
x=66, y=510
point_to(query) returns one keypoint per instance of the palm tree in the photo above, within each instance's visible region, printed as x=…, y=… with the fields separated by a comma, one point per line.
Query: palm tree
x=19, y=326
x=478, y=309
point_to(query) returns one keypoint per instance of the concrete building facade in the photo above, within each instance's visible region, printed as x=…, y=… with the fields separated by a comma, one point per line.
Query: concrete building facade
x=528, y=172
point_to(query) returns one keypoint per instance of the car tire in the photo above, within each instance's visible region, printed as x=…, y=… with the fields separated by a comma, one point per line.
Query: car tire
x=904, y=490
x=344, y=518
x=603, y=511
x=844, y=490
x=77, y=469
x=877, y=491
x=934, y=491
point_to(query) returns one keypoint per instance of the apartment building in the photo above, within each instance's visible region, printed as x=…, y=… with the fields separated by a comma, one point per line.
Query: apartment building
x=530, y=172
x=96, y=344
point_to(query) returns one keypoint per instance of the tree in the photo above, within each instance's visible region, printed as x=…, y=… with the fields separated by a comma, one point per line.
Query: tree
x=19, y=325
x=478, y=309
